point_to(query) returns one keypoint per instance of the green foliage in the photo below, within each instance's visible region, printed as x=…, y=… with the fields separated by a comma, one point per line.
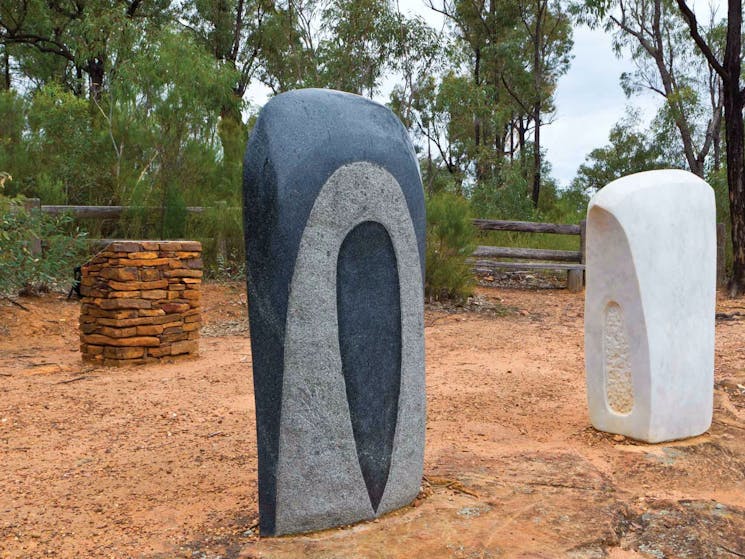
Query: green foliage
x=567, y=205
x=48, y=142
x=478, y=113
x=21, y=270
x=363, y=45
x=505, y=197
x=142, y=104
x=450, y=236
x=718, y=181
x=152, y=139
x=220, y=228
x=669, y=64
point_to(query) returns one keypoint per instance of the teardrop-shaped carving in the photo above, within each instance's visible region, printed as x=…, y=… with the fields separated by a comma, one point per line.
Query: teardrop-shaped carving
x=619, y=389
x=369, y=318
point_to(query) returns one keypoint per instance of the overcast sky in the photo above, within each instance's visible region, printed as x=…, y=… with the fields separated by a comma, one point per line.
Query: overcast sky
x=589, y=101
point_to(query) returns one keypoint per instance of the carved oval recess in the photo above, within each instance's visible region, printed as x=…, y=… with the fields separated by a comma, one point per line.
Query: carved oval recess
x=369, y=315
x=619, y=389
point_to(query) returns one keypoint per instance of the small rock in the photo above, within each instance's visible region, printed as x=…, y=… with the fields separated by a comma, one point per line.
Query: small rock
x=619, y=438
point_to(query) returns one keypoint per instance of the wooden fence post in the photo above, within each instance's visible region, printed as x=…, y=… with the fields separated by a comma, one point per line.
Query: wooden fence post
x=32, y=205
x=221, y=207
x=721, y=243
x=578, y=283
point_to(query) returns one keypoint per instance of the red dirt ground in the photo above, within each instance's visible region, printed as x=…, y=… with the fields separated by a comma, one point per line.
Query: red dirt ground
x=160, y=462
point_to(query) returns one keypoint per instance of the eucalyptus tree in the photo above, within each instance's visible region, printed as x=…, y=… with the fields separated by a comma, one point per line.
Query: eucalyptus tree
x=420, y=101
x=728, y=66
x=548, y=40
x=653, y=32
x=513, y=53
x=5, y=67
x=287, y=44
x=483, y=33
x=75, y=43
x=438, y=112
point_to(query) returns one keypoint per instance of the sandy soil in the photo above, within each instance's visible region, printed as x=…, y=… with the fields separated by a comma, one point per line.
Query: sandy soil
x=160, y=461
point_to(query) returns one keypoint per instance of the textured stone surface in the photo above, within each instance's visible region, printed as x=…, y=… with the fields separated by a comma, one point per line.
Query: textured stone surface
x=334, y=217
x=619, y=390
x=127, y=289
x=369, y=318
x=649, y=306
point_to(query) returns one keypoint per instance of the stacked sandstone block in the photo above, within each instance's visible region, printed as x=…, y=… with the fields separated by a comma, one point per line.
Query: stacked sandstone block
x=141, y=302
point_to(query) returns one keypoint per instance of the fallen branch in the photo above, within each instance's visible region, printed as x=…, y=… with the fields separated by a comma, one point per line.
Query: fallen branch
x=453, y=484
x=72, y=380
x=728, y=424
x=16, y=303
x=732, y=551
x=727, y=316
x=560, y=485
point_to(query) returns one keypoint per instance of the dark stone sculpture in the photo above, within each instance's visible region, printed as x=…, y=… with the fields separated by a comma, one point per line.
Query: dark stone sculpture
x=334, y=224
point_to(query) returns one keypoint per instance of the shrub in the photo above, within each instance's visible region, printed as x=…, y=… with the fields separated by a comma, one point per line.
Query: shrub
x=220, y=229
x=505, y=196
x=450, y=240
x=23, y=270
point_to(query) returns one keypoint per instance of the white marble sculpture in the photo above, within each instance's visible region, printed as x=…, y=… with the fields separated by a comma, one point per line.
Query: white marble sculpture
x=649, y=306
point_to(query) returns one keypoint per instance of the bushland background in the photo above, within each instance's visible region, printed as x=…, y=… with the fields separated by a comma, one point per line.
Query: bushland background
x=148, y=105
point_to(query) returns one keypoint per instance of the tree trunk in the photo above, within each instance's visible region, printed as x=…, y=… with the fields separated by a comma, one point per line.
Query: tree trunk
x=512, y=140
x=536, y=155
x=79, y=86
x=430, y=170
x=521, y=145
x=6, y=69
x=96, y=72
x=734, y=130
x=735, y=177
x=735, y=138
x=537, y=75
x=477, y=117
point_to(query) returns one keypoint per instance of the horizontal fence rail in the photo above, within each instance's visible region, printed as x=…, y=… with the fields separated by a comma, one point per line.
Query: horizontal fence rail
x=528, y=253
x=490, y=266
x=569, y=261
x=105, y=212
x=559, y=257
x=526, y=226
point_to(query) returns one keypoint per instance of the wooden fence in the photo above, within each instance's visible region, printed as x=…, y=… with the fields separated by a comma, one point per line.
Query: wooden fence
x=570, y=260
x=102, y=212
x=543, y=259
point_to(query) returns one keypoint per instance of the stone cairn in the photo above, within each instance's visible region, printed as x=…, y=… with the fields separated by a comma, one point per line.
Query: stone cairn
x=141, y=302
